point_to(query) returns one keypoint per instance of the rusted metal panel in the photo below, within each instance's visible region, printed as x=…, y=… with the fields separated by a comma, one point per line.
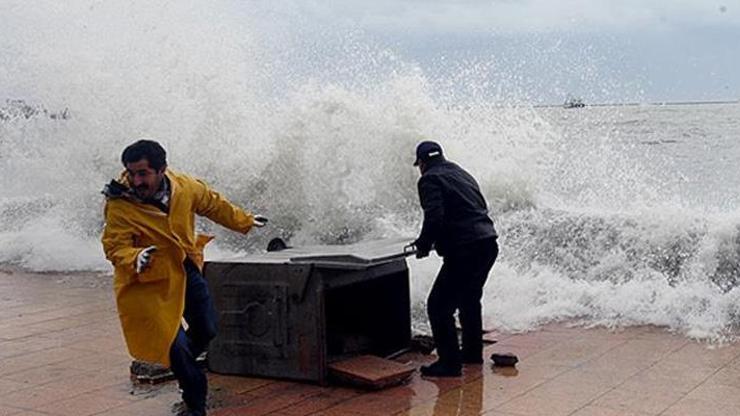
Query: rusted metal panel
x=288, y=314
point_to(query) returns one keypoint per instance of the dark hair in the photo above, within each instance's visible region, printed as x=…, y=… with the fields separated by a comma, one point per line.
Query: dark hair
x=150, y=150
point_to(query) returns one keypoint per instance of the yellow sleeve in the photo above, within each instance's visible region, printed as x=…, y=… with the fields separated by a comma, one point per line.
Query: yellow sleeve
x=118, y=241
x=211, y=204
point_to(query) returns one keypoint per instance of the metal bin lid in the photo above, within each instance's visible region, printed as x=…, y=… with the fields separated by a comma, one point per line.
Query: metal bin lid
x=350, y=256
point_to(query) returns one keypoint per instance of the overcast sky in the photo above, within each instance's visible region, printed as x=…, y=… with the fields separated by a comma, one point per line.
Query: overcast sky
x=603, y=50
x=527, y=16
x=537, y=51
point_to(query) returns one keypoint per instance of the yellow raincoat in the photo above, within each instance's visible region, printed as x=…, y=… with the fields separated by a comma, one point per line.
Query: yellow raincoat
x=151, y=303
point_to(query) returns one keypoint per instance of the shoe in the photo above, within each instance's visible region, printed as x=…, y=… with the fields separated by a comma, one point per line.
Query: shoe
x=188, y=411
x=472, y=355
x=472, y=360
x=506, y=359
x=439, y=369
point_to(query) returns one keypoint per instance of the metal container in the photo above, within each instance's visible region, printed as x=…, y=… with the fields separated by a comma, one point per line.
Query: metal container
x=288, y=314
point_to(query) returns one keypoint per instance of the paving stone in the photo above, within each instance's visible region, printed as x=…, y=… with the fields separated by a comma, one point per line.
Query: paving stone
x=371, y=371
x=62, y=353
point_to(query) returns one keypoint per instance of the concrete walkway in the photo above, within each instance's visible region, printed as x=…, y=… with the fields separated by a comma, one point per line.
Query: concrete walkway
x=61, y=353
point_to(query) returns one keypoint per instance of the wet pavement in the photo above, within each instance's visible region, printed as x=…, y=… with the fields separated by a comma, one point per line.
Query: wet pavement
x=62, y=353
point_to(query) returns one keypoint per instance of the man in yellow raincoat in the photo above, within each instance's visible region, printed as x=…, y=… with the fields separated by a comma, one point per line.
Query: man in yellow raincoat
x=150, y=239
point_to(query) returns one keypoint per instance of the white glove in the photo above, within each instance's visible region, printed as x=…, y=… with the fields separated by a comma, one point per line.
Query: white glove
x=260, y=221
x=144, y=258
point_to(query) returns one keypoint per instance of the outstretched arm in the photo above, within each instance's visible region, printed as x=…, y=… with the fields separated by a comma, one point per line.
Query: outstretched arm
x=214, y=206
x=430, y=196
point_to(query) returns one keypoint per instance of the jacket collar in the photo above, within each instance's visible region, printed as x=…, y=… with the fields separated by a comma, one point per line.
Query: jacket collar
x=121, y=188
x=433, y=164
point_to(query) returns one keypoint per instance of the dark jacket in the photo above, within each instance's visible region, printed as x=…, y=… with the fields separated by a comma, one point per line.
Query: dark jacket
x=455, y=212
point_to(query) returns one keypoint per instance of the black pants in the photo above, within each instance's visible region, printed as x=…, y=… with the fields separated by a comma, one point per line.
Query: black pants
x=459, y=286
x=201, y=318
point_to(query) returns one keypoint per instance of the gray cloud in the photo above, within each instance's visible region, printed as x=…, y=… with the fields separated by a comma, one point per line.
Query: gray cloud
x=528, y=16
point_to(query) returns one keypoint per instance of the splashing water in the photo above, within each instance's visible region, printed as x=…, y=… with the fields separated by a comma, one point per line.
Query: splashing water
x=612, y=216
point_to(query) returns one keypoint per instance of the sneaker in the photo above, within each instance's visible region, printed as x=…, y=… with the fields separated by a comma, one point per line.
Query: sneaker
x=441, y=370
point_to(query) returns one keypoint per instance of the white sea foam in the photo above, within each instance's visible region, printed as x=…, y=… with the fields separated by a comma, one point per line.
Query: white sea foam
x=315, y=128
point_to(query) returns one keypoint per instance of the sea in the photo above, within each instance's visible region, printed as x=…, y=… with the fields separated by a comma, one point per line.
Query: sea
x=608, y=215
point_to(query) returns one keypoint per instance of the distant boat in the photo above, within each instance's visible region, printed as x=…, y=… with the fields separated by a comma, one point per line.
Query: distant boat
x=573, y=102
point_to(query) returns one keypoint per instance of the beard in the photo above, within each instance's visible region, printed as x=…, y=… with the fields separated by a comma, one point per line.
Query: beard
x=141, y=191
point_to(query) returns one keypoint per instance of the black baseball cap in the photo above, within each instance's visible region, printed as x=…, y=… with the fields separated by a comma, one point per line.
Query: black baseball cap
x=426, y=151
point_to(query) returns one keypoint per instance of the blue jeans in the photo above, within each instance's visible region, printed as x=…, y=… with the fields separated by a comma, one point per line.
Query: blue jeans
x=188, y=345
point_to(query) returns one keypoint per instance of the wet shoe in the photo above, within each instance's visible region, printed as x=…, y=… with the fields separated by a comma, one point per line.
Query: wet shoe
x=506, y=359
x=187, y=411
x=472, y=360
x=441, y=370
x=472, y=355
x=192, y=412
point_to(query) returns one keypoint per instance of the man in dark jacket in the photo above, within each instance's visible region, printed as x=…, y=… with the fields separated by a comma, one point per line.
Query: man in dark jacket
x=457, y=226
